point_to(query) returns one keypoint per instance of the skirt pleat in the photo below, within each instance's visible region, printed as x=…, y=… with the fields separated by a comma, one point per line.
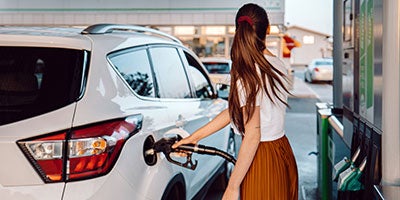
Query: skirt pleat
x=272, y=174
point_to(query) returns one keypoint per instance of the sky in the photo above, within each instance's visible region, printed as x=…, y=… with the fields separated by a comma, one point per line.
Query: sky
x=316, y=15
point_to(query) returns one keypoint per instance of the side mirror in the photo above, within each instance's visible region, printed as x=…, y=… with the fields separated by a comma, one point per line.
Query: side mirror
x=222, y=90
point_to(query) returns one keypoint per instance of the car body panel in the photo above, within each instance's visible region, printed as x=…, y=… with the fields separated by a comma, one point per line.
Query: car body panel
x=99, y=104
x=18, y=178
x=129, y=176
x=25, y=174
x=33, y=192
x=153, y=124
x=103, y=78
x=196, y=113
x=110, y=186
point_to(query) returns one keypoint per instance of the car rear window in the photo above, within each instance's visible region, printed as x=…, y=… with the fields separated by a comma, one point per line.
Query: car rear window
x=217, y=68
x=36, y=80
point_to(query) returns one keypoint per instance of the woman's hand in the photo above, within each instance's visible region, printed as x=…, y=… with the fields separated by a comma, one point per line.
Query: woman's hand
x=231, y=194
x=219, y=122
x=187, y=140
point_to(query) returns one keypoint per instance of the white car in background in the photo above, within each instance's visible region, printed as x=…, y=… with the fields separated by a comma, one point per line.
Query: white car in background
x=320, y=69
x=218, y=68
x=79, y=109
x=219, y=71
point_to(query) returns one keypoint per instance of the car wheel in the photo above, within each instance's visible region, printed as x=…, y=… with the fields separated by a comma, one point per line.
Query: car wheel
x=175, y=193
x=306, y=77
x=223, y=179
x=309, y=78
x=175, y=189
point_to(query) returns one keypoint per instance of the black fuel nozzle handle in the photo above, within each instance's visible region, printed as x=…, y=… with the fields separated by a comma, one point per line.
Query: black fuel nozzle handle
x=188, y=164
x=202, y=149
x=165, y=145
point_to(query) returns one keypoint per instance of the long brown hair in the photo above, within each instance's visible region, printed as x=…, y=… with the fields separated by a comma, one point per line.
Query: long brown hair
x=247, y=51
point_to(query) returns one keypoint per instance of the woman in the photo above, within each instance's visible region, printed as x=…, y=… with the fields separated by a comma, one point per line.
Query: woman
x=266, y=167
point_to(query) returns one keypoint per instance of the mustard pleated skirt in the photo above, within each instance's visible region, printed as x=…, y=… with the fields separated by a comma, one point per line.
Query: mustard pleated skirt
x=272, y=174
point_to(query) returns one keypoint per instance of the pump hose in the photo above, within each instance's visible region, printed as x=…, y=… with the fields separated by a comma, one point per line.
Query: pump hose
x=202, y=149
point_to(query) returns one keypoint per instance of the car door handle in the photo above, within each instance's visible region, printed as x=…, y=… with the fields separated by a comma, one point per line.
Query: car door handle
x=180, y=122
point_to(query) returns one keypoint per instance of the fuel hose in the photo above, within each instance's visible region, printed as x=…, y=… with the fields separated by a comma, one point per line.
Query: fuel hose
x=202, y=149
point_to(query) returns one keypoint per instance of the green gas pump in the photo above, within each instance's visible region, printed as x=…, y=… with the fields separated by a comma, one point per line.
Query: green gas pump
x=349, y=180
x=344, y=164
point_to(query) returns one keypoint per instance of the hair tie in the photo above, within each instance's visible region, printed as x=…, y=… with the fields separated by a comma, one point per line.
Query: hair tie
x=246, y=19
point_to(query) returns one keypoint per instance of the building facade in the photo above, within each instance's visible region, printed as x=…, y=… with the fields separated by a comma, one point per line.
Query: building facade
x=206, y=26
x=313, y=45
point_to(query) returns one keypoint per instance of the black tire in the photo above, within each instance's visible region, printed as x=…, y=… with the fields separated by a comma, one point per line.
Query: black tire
x=308, y=78
x=176, y=189
x=175, y=193
x=305, y=77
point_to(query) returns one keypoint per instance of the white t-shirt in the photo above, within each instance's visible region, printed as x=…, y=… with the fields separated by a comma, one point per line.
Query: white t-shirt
x=272, y=115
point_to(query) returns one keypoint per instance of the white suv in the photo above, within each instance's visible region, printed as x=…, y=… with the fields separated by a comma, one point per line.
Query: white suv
x=79, y=109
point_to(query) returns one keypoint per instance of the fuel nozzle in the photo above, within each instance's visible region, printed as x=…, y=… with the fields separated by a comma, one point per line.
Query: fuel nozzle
x=207, y=150
x=165, y=145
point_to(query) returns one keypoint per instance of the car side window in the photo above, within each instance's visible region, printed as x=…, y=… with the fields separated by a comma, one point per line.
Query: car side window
x=170, y=74
x=134, y=67
x=199, y=81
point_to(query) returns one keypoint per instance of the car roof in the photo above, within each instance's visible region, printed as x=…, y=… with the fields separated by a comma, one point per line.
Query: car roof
x=49, y=31
x=62, y=37
x=81, y=37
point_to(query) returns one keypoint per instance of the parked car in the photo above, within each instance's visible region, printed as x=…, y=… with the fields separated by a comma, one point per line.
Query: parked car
x=219, y=71
x=218, y=68
x=320, y=69
x=79, y=109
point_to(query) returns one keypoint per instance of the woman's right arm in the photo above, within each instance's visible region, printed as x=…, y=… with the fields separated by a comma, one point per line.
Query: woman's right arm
x=219, y=122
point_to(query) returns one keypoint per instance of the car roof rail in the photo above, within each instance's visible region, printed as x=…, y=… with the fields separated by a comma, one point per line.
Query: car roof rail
x=109, y=28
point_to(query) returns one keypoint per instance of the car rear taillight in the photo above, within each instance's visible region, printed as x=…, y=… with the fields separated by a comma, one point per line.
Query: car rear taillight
x=82, y=152
x=316, y=69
